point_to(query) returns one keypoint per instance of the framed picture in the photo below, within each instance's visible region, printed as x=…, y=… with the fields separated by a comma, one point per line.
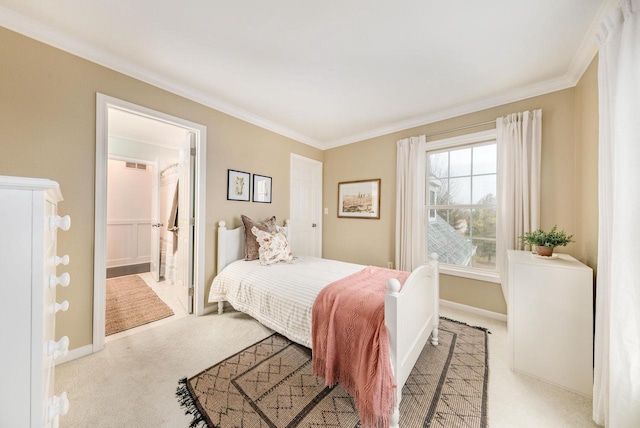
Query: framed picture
x=238, y=185
x=359, y=199
x=261, y=189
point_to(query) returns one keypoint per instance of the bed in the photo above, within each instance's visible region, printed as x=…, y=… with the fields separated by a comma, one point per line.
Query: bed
x=280, y=296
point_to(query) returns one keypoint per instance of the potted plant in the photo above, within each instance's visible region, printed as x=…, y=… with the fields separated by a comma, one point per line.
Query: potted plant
x=545, y=242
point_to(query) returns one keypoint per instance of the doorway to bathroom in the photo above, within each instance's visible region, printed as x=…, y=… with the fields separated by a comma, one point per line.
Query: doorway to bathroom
x=149, y=217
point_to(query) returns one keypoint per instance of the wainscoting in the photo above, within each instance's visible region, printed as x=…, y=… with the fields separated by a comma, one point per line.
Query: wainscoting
x=128, y=242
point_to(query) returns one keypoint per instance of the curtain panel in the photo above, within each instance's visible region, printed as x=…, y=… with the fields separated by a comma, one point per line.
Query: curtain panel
x=519, y=140
x=411, y=236
x=616, y=389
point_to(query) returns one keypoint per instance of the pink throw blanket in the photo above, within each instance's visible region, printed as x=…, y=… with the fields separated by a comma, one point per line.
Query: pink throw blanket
x=351, y=343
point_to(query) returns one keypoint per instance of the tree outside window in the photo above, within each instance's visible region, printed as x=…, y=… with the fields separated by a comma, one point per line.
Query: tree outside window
x=462, y=205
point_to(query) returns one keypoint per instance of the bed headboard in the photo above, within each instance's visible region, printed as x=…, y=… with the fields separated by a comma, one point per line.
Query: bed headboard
x=231, y=243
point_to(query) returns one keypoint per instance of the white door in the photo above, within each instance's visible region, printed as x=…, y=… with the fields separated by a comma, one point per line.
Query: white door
x=305, y=206
x=156, y=224
x=186, y=224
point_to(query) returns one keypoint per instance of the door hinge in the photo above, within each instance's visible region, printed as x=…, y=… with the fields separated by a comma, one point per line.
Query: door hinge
x=192, y=221
x=193, y=151
x=191, y=291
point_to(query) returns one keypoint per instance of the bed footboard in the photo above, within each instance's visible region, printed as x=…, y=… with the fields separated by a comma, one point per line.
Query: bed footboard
x=411, y=316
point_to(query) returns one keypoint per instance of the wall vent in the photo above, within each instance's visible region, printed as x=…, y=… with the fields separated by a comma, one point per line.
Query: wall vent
x=134, y=165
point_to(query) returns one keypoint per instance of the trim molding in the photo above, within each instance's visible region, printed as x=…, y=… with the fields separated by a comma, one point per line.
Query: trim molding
x=473, y=310
x=295, y=159
x=460, y=110
x=103, y=103
x=48, y=35
x=210, y=309
x=73, y=354
x=589, y=47
x=116, y=271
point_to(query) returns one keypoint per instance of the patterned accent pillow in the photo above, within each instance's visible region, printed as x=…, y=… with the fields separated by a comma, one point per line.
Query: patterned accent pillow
x=250, y=244
x=274, y=247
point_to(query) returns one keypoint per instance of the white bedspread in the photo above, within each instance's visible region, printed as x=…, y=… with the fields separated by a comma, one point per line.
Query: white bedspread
x=281, y=295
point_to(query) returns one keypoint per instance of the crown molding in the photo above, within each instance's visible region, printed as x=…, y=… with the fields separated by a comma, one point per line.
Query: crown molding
x=589, y=47
x=460, y=110
x=45, y=34
x=581, y=60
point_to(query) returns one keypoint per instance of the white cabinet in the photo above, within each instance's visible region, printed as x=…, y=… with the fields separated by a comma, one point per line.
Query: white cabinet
x=28, y=282
x=550, y=320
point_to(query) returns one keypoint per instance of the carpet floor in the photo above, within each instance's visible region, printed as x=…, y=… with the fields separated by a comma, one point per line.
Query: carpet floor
x=131, y=303
x=269, y=384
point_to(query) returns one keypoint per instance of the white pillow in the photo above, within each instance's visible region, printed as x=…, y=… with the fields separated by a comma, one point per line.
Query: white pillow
x=274, y=246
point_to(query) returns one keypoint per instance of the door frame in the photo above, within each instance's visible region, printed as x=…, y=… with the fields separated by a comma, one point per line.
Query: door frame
x=293, y=159
x=103, y=103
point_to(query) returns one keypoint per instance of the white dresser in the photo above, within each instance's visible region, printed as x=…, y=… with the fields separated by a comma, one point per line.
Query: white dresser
x=550, y=320
x=28, y=282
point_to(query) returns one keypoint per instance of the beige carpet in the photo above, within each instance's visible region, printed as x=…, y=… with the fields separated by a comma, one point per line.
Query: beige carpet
x=131, y=303
x=270, y=384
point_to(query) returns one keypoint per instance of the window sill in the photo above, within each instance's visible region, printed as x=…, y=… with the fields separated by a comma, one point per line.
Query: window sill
x=477, y=274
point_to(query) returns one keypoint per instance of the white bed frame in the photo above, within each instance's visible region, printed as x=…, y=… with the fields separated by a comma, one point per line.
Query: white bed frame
x=411, y=314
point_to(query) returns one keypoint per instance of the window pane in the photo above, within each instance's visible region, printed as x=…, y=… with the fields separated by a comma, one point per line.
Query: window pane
x=484, y=159
x=439, y=192
x=460, y=162
x=460, y=190
x=484, y=223
x=485, y=254
x=439, y=165
x=484, y=189
x=448, y=236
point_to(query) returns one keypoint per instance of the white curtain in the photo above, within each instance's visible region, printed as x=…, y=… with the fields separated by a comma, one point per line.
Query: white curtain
x=616, y=389
x=519, y=139
x=411, y=238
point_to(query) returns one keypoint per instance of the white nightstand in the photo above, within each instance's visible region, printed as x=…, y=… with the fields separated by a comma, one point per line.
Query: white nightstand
x=550, y=320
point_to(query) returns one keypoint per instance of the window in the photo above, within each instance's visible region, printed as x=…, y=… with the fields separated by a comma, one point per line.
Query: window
x=433, y=197
x=462, y=203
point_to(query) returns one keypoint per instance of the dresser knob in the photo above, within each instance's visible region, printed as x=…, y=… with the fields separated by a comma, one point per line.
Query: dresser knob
x=64, y=260
x=57, y=307
x=63, y=223
x=59, y=348
x=62, y=280
x=58, y=406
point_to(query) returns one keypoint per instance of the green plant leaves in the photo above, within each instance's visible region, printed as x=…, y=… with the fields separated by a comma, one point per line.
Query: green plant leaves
x=553, y=238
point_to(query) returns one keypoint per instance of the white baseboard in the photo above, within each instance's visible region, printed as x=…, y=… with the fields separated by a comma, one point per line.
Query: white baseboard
x=472, y=309
x=210, y=309
x=75, y=353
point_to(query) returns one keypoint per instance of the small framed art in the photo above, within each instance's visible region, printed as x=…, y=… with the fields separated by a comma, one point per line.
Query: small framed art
x=359, y=199
x=261, y=189
x=238, y=185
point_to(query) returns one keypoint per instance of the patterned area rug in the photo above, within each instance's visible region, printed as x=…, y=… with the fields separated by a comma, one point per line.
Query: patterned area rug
x=131, y=303
x=270, y=384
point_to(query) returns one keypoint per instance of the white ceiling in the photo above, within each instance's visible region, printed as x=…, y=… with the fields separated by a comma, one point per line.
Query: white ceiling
x=334, y=71
x=145, y=130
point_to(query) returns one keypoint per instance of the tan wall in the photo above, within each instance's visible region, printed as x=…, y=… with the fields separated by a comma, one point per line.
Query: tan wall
x=47, y=129
x=564, y=169
x=587, y=166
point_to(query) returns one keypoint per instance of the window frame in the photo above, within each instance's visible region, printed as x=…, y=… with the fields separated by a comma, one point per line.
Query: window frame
x=450, y=144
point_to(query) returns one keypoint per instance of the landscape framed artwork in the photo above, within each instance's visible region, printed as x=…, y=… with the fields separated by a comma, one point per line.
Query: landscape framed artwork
x=261, y=189
x=359, y=199
x=238, y=185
